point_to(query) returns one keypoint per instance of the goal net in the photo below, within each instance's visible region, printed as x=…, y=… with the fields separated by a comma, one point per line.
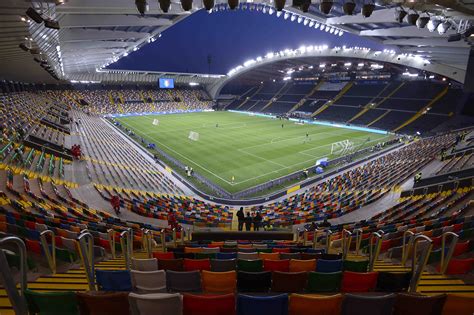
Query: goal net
x=193, y=136
x=156, y=122
x=342, y=147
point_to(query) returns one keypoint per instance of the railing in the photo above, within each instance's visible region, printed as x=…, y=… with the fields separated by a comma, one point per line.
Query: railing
x=126, y=242
x=374, y=249
x=328, y=240
x=163, y=240
x=50, y=254
x=358, y=236
x=445, y=259
x=147, y=241
x=418, y=263
x=407, y=246
x=86, y=251
x=346, y=242
x=16, y=296
x=111, y=234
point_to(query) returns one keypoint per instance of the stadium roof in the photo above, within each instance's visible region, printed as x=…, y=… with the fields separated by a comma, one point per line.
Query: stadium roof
x=94, y=33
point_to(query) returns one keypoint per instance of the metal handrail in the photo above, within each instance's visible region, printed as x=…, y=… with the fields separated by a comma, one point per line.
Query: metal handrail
x=358, y=234
x=16, y=296
x=346, y=242
x=418, y=271
x=175, y=242
x=305, y=237
x=50, y=254
x=86, y=251
x=445, y=260
x=406, y=246
x=111, y=234
x=189, y=234
x=124, y=243
x=374, y=253
x=163, y=240
x=328, y=240
x=147, y=241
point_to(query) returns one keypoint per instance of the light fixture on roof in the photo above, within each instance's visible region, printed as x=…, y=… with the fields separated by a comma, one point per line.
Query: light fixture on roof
x=311, y=23
x=433, y=25
x=51, y=24
x=286, y=15
x=367, y=9
x=306, y=21
x=293, y=18
x=34, y=15
x=305, y=5
x=279, y=5
x=233, y=4
x=142, y=6
x=325, y=6
x=187, y=5
x=316, y=25
x=300, y=19
x=412, y=18
x=400, y=15
x=443, y=27
x=349, y=7
x=208, y=4
x=165, y=5
x=422, y=21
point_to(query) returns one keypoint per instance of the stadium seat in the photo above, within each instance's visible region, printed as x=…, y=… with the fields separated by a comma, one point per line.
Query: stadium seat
x=228, y=255
x=271, y=256
x=324, y=265
x=52, y=303
x=149, y=281
x=99, y=303
x=393, y=281
x=258, y=305
x=415, y=304
x=290, y=255
x=156, y=303
x=302, y=265
x=210, y=250
x=183, y=281
x=460, y=266
x=145, y=264
x=161, y=255
x=197, y=264
x=221, y=265
x=182, y=255
x=310, y=256
x=315, y=305
x=171, y=264
x=248, y=256
x=458, y=304
x=289, y=282
x=113, y=280
x=254, y=281
x=358, y=281
x=192, y=250
x=276, y=265
x=324, y=281
x=281, y=250
x=219, y=282
x=356, y=266
x=250, y=265
x=209, y=304
x=205, y=255
x=368, y=305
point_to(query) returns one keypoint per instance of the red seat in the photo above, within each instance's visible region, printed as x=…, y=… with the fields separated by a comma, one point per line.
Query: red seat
x=461, y=248
x=105, y=244
x=359, y=281
x=197, y=264
x=209, y=304
x=281, y=250
x=33, y=246
x=460, y=266
x=31, y=225
x=276, y=265
x=160, y=255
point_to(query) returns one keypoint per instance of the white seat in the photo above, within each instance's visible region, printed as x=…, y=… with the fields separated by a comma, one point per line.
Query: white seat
x=156, y=304
x=150, y=264
x=248, y=256
x=148, y=281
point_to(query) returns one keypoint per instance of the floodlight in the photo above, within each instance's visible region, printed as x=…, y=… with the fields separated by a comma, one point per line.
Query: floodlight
x=233, y=4
x=443, y=27
x=367, y=9
x=325, y=6
x=400, y=15
x=349, y=7
x=305, y=5
x=34, y=15
x=208, y=4
x=142, y=6
x=279, y=4
x=24, y=47
x=51, y=24
x=422, y=21
x=165, y=5
x=412, y=18
x=433, y=25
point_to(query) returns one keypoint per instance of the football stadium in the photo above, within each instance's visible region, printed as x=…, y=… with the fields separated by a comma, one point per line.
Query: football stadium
x=237, y=157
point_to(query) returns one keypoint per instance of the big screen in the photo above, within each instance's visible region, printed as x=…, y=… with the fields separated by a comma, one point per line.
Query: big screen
x=166, y=83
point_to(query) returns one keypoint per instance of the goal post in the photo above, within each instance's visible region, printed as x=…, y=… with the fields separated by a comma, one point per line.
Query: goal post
x=155, y=122
x=193, y=136
x=342, y=147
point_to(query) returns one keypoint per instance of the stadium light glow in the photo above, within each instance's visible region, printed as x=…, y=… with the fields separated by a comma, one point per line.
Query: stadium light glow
x=285, y=79
x=408, y=74
x=322, y=65
x=300, y=19
x=193, y=83
x=293, y=18
x=286, y=15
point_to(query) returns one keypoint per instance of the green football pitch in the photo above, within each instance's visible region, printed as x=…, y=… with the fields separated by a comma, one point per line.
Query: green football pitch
x=248, y=149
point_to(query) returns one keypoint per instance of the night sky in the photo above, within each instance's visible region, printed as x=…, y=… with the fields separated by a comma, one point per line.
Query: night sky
x=230, y=38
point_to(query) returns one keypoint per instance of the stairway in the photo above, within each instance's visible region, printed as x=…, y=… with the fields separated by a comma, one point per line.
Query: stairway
x=335, y=99
x=275, y=97
x=378, y=118
x=303, y=100
x=72, y=280
x=249, y=97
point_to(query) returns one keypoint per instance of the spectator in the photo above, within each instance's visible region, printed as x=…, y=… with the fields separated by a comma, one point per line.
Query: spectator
x=115, y=201
x=241, y=218
x=257, y=220
x=325, y=224
x=248, y=222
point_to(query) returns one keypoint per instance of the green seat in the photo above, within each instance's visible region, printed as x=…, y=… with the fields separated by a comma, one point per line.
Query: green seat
x=324, y=281
x=205, y=255
x=52, y=303
x=264, y=250
x=356, y=266
x=14, y=261
x=65, y=255
x=435, y=256
x=250, y=265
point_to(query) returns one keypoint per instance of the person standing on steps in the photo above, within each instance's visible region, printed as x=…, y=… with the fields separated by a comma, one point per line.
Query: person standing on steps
x=241, y=218
x=248, y=222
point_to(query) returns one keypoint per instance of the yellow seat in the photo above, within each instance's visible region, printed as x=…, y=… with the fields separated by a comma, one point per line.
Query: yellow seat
x=297, y=265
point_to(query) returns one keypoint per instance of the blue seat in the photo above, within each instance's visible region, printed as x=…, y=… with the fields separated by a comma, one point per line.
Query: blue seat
x=316, y=251
x=33, y=234
x=226, y=255
x=323, y=265
x=113, y=280
x=258, y=305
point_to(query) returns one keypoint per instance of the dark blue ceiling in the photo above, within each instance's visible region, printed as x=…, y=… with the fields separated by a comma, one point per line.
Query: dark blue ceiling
x=229, y=38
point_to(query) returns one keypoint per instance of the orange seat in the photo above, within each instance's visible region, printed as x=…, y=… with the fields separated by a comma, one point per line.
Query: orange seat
x=297, y=265
x=192, y=249
x=458, y=304
x=245, y=246
x=270, y=256
x=3, y=227
x=315, y=304
x=219, y=282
